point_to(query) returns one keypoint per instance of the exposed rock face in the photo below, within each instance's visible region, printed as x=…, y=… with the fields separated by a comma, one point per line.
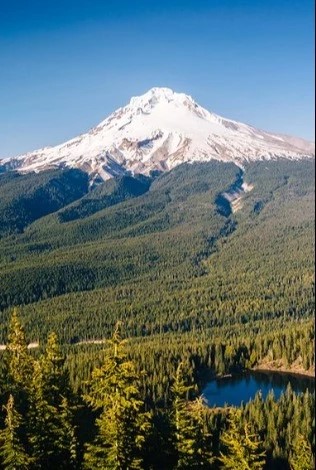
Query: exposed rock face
x=158, y=131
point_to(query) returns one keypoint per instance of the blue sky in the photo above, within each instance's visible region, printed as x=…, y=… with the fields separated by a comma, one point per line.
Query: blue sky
x=65, y=65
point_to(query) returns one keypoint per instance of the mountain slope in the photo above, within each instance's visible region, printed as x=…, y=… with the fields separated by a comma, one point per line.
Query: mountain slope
x=168, y=260
x=158, y=131
x=110, y=193
x=25, y=198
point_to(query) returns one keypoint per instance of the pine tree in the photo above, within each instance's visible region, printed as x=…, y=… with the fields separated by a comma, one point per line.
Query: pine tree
x=55, y=377
x=43, y=424
x=68, y=440
x=12, y=451
x=301, y=457
x=122, y=425
x=191, y=435
x=242, y=450
x=203, y=438
x=52, y=434
x=20, y=363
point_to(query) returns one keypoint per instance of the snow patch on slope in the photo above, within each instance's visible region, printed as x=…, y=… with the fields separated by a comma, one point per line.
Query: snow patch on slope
x=158, y=131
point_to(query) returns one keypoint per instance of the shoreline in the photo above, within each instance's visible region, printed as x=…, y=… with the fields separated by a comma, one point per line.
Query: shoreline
x=283, y=370
x=308, y=374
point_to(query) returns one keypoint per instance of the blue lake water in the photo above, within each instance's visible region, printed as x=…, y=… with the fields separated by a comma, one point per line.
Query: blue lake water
x=242, y=388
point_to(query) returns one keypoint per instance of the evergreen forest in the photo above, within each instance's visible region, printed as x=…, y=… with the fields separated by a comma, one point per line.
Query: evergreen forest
x=120, y=300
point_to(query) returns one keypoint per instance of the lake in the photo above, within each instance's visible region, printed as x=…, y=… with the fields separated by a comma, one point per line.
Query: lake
x=241, y=388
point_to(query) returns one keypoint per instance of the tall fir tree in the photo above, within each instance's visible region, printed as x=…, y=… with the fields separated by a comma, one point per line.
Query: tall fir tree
x=192, y=439
x=241, y=449
x=20, y=362
x=55, y=376
x=301, y=456
x=122, y=424
x=67, y=436
x=13, y=454
x=19, y=366
x=52, y=434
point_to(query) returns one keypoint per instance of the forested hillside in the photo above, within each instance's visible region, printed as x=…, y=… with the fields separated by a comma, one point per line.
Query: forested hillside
x=118, y=421
x=168, y=260
x=216, y=291
x=25, y=198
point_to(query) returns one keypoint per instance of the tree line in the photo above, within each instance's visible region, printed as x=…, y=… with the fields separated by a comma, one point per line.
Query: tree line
x=46, y=424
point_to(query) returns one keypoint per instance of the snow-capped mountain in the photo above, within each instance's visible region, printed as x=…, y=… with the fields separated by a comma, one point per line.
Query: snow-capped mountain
x=158, y=131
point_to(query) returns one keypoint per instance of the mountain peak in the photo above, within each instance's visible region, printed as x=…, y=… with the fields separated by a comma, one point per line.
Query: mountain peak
x=158, y=95
x=160, y=92
x=158, y=131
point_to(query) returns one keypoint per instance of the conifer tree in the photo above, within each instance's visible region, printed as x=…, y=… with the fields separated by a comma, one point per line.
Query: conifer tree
x=301, y=457
x=122, y=425
x=67, y=437
x=55, y=377
x=20, y=363
x=52, y=434
x=43, y=424
x=203, y=437
x=242, y=449
x=190, y=432
x=13, y=455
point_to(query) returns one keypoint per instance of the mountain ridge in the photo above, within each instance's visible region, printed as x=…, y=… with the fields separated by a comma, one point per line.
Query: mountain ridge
x=158, y=131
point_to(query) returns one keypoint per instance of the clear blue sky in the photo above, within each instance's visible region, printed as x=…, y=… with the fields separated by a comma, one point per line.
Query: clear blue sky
x=65, y=65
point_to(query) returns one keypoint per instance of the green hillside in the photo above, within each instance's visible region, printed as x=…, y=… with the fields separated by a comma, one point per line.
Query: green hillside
x=199, y=289
x=105, y=195
x=25, y=198
x=168, y=260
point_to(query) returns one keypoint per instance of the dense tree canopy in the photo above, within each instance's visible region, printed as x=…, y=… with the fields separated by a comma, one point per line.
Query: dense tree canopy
x=190, y=280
